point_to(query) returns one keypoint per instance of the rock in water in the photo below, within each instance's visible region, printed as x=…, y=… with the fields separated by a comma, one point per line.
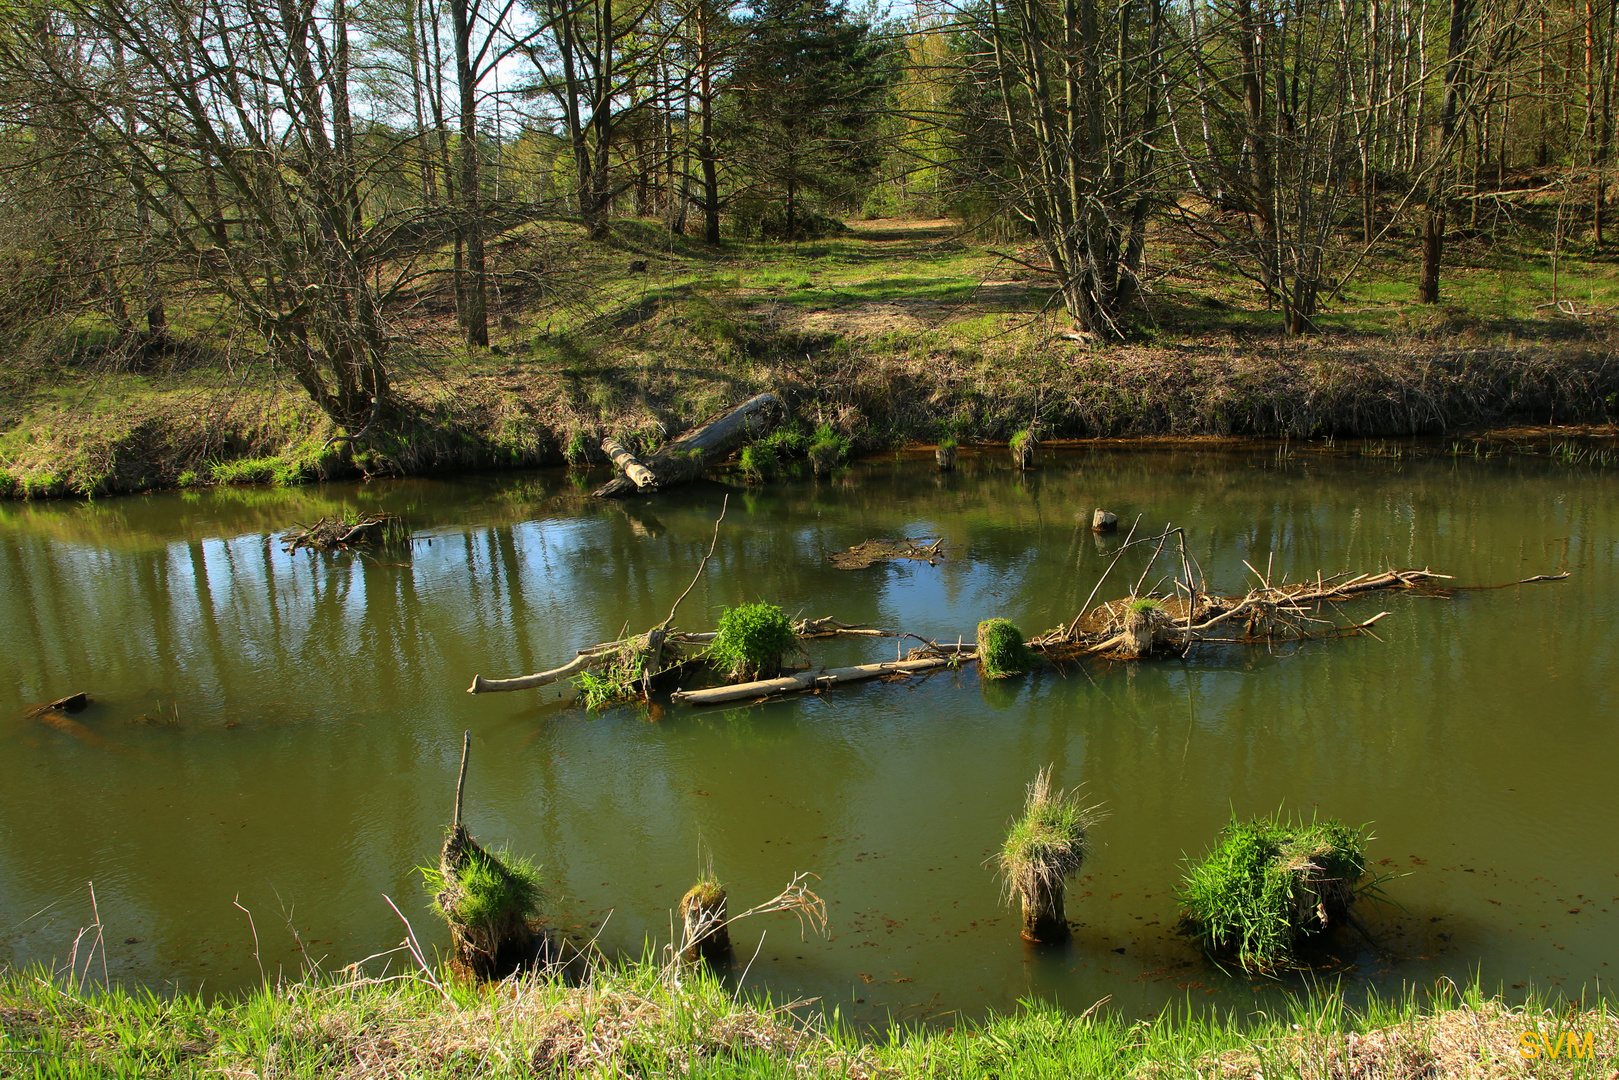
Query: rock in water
x=1104, y=522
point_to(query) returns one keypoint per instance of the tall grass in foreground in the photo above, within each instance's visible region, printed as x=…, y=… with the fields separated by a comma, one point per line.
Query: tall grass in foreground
x=635, y=1020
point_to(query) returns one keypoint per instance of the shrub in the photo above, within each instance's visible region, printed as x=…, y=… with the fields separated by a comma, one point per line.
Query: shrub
x=827, y=449
x=1270, y=883
x=751, y=641
x=1001, y=651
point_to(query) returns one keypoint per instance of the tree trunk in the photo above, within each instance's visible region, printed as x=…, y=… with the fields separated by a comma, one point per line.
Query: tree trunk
x=476, y=313
x=690, y=454
x=1044, y=921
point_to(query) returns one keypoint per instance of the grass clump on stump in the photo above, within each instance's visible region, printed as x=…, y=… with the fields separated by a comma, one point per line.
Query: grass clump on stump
x=1046, y=846
x=1142, y=620
x=489, y=901
x=1001, y=651
x=1023, y=445
x=945, y=453
x=1269, y=884
x=703, y=916
x=751, y=641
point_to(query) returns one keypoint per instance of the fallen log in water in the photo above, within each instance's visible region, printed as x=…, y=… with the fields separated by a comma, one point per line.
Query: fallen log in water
x=810, y=680
x=629, y=464
x=681, y=646
x=689, y=455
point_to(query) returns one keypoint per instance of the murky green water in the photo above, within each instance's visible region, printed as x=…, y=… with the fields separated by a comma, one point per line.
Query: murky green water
x=284, y=730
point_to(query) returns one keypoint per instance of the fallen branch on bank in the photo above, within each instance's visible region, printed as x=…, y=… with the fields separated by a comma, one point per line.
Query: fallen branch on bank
x=688, y=456
x=629, y=464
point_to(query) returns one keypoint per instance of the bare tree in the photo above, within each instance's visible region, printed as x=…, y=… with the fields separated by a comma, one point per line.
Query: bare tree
x=230, y=123
x=1059, y=113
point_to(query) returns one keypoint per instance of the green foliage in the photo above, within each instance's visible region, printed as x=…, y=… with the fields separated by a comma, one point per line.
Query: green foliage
x=751, y=640
x=489, y=888
x=576, y=453
x=189, y=478
x=759, y=463
x=255, y=470
x=827, y=449
x=1048, y=842
x=1001, y=651
x=619, y=678
x=1254, y=896
x=1144, y=604
x=948, y=442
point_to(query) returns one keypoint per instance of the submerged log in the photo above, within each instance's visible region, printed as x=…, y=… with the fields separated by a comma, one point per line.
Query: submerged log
x=687, y=457
x=807, y=680
x=629, y=464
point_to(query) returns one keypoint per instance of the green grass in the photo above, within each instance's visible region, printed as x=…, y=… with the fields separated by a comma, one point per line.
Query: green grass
x=489, y=887
x=635, y=1019
x=751, y=640
x=1253, y=896
x=1001, y=651
x=1048, y=842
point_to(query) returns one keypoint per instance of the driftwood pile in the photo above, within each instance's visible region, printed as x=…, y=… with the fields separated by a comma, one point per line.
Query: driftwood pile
x=1175, y=616
x=342, y=533
x=1135, y=627
x=868, y=552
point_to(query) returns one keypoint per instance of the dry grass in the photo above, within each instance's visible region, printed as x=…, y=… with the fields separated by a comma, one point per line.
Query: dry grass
x=1480, y=1041
x=643, y=1021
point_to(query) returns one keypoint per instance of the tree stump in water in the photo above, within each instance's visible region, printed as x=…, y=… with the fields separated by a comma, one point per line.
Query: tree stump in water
x=1104, y=522
x=1044, y=921
x=703, y=914
x=488, y=907
x=946, y=457
x=1141, y=623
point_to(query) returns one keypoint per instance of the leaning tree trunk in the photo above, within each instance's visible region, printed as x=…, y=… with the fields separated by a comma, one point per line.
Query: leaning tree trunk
x=689, y=455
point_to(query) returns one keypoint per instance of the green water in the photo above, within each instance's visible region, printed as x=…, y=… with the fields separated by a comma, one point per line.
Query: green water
x=283, y=731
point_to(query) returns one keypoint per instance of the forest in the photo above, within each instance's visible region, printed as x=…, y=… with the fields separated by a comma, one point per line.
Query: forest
x=343, y=195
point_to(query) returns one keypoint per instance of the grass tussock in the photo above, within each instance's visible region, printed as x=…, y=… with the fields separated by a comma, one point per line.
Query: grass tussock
x=1269, y=884
x=490, y=902
x=634, y=1020
x=751, y=641
x=1001, y=650
x=1048, y=842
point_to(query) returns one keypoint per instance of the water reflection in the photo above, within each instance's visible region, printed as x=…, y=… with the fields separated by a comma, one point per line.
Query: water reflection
x=285, y=728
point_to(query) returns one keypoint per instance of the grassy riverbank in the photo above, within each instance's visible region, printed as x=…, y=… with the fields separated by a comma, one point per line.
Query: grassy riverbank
x=893, y=332
x=635, y=1021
